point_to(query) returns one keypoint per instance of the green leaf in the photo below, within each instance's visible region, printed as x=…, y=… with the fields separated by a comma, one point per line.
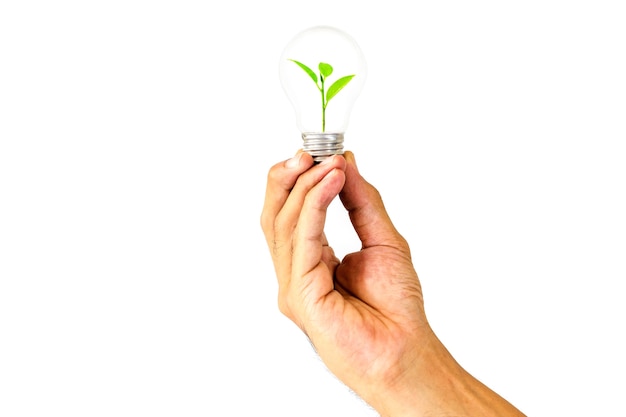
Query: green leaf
x=337, y=86
x=325, y=69
x=307, y=70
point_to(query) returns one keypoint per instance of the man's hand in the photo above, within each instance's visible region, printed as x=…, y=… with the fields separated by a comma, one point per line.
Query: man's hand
x=364, y=314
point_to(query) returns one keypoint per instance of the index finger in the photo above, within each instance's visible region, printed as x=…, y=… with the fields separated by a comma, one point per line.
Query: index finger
x=281, y=179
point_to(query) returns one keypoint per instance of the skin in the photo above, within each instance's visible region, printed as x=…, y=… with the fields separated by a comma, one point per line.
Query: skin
x=363, y=314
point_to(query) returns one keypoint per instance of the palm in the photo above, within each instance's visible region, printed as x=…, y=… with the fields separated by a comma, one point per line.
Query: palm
x=361, y=325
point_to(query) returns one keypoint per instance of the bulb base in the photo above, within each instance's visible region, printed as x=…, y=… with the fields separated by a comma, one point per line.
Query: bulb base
x=322, y=145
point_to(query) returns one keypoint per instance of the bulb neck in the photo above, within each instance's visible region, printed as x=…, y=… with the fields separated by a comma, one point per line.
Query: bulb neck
x=322, y=145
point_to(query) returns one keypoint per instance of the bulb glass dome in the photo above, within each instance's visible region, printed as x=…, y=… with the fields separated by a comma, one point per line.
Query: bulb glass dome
x=322, y=71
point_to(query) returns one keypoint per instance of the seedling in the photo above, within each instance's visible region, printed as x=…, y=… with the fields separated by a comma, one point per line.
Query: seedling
x=325, y=71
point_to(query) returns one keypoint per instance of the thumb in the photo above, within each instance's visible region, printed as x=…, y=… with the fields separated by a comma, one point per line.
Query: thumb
x=367, y=211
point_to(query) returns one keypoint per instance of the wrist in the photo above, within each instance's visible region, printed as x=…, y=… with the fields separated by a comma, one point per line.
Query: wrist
x=427, y=387
x=435, y=385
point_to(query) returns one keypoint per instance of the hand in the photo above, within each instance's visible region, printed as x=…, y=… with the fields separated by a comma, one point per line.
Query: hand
x=364, y=315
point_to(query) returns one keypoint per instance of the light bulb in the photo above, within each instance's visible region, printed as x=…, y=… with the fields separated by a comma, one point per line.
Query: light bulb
x=322, y=71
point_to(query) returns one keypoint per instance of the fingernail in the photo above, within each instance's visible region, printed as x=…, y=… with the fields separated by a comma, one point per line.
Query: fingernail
x=294, y=162
x=354, y=161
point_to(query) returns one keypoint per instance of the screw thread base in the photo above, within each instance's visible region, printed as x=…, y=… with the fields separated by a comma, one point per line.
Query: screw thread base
x=322, y=145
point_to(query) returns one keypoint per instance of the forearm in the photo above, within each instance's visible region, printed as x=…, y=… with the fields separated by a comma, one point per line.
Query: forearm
x=437, y=386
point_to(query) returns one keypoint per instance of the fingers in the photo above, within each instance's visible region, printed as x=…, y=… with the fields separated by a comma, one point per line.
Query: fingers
x=296, y=187
x=367, y=211
x=313, y=261
x=290, y=212
x=281, y=179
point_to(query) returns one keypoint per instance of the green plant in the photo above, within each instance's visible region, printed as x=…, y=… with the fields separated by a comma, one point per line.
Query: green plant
x=325, y=71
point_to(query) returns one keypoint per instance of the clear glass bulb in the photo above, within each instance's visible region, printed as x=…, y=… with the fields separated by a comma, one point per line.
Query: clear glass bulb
x=322, y=71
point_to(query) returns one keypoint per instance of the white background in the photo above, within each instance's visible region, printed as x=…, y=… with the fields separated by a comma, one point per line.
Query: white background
x=135, y=137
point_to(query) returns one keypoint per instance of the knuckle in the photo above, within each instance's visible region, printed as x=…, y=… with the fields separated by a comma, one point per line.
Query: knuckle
x=277, y=246
x=283, y=307
x=276, y=173
x=284, y=304
x=265, y=221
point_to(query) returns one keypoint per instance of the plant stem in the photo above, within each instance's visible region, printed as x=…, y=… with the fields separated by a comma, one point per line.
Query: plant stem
x=323, y=104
